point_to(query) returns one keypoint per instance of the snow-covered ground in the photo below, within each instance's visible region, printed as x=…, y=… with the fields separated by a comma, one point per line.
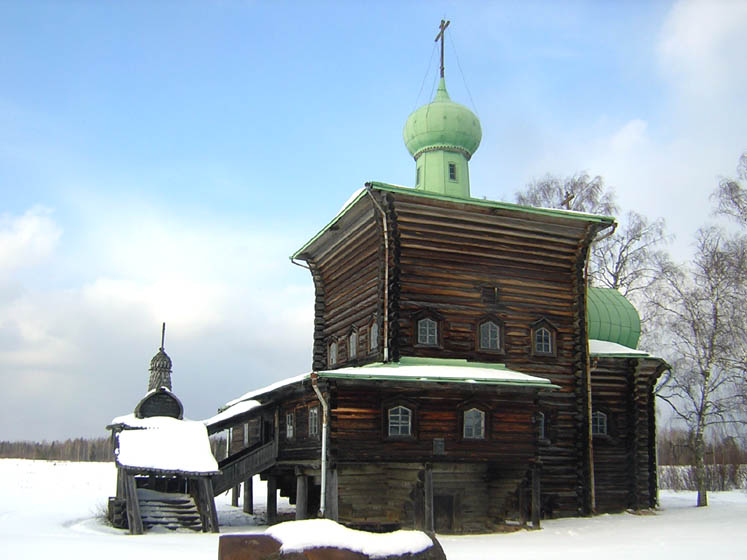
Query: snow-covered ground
x=54, y=509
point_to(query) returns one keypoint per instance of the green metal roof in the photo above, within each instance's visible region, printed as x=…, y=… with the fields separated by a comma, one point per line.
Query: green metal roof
x=613, y=318
x=550, y=212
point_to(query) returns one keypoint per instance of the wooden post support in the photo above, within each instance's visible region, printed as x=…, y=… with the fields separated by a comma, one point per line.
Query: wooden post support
x=536, y=503
x=206, y=504
x=121, y=492
x=272, y=500
x=134, y=519
x=248, y=496
x=523, y=507
x=332, y=511
x=428, y=488
x=235, y=491
x=302, y=495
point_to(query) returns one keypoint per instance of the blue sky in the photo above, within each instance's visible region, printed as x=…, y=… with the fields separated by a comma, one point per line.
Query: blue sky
x=159, y=161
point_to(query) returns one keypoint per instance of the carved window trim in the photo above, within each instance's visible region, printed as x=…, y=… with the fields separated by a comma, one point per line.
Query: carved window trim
x=543, y=325
x=433, y=319
x=352, y=344
x=468, y=431
x=486, y=411
x=290, y=424
x=541, y=420
x=332, y=353
x=599, y=424
x=373, y=336
x=314, y=424
x=394, y=403
x=483, y=323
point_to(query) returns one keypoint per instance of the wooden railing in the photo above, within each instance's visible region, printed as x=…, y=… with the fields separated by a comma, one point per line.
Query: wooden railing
x=237, y=469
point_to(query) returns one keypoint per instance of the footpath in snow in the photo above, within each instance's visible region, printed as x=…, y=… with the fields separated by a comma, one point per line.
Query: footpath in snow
x=55, y=509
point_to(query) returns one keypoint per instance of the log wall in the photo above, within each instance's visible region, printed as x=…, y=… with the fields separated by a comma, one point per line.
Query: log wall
x=348, y=282
x=445, y=255
x=624, y=459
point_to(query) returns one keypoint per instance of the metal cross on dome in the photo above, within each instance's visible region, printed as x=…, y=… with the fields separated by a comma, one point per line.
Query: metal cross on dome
x=442, y=27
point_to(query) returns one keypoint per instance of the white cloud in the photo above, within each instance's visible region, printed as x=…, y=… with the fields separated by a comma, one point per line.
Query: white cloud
x=27, y=239
x=702, y=45
x=79, y=343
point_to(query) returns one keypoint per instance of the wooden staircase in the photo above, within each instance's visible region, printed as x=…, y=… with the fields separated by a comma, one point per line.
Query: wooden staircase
x=168, y=510
x=242, y=466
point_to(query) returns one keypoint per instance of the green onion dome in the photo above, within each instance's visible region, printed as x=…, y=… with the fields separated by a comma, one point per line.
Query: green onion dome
x=613, y=318
x=442, y=124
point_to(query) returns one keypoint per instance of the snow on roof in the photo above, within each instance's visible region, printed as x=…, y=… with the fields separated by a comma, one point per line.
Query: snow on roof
x=251, y=394
x=232, y=411
x=296, y=536
x=438, y=370
x=606, y=348
x=162, y=443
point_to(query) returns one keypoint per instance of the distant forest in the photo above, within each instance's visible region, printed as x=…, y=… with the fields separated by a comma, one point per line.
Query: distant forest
x=79, y=449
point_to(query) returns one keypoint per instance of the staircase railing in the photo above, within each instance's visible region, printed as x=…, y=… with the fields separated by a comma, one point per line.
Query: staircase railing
x=237, y=469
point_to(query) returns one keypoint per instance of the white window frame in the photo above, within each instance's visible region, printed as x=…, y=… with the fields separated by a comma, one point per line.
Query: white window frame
x=332, y=354
x=599, y=425
x=493, y=342
x=313, y=421
x=373, y=336
x=473, y=428
x=541, y=425
x=353, y=345
x=427, y=332
x=543, y=341
x=290, y=425
x=399, y=421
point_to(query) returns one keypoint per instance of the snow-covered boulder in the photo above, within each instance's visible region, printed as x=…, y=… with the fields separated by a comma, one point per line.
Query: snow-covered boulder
x=322, y=539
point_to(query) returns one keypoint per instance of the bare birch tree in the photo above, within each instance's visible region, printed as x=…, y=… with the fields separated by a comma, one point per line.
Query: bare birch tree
x=731, y=194
x=578, y=192
x=702, y=327
x=626, y=260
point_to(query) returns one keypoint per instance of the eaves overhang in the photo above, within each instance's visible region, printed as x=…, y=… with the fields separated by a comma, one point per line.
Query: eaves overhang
x=602, y=222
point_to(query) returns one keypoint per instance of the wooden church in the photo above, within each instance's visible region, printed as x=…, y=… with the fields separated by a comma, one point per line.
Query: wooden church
x=464, y=373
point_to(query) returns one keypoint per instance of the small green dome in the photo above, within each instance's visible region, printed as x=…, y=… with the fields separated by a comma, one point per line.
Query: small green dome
x=613, y=318
x=442, y=124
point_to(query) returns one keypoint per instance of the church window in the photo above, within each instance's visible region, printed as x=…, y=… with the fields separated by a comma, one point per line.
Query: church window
x=314, y=421
x=541, y=425
x=474, y=424
x=427, y=332
x=598, y=424
x=373, y=337
x=452, y=172
x=490, y=336
x=543, y=338
x=417, y=176
x=332, y=356
x=352, y=345
x=542, y=341
x=290, y=425
x=400, y=421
